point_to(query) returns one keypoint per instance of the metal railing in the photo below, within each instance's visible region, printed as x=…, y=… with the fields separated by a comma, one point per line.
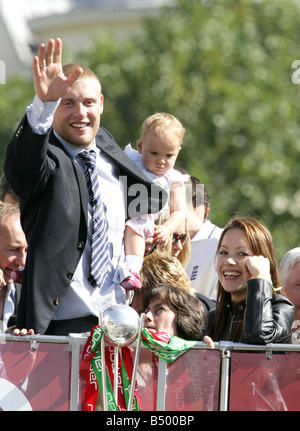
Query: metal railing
x=76, y=343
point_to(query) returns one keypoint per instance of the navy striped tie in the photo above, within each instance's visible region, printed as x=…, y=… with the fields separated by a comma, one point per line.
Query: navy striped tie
x=99, y=247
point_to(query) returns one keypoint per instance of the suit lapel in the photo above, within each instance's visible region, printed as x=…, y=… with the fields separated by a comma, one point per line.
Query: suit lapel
x=112, y=150
x=79, y=175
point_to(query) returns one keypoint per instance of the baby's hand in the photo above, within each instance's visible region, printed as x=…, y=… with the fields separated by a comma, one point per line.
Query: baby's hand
x=161, y=235
x=258, y=267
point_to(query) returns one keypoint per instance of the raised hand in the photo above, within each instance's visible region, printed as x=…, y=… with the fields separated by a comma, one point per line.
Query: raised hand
x=49, y=81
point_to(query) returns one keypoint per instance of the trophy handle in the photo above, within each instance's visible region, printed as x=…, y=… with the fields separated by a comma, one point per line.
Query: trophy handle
x=136, y=360
x=116, y=371
x=105, y=408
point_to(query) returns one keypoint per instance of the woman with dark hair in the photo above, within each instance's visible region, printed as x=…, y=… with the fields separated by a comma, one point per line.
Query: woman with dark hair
x=173, y=311
x=251, y=305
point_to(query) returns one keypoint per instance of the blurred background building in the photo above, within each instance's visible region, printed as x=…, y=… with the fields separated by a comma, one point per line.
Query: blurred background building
x=24, y=24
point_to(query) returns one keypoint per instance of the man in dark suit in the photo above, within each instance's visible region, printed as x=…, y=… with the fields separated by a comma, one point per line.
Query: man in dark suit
x=44, y=170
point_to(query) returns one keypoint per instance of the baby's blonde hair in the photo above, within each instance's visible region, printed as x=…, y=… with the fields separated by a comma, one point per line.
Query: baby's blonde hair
x=163, y=125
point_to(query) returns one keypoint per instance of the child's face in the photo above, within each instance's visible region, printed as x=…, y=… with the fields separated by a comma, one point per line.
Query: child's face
x=159, y=153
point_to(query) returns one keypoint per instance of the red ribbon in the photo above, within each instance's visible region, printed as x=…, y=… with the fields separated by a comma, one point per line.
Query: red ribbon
x=125, y=366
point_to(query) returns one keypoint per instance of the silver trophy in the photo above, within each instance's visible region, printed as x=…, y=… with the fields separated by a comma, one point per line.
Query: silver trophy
x=121, y=326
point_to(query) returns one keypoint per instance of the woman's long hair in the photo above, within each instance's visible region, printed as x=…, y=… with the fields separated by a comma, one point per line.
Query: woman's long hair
x=261, y=242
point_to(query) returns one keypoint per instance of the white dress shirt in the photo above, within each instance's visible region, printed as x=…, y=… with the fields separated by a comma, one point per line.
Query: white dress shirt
x=9, y=306
x=201, y=266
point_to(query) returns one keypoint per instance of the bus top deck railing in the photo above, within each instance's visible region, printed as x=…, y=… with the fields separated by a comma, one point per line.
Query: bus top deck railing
x=228, y=377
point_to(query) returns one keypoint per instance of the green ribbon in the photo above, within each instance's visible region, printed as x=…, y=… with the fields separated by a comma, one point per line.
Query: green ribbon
x=167, y=351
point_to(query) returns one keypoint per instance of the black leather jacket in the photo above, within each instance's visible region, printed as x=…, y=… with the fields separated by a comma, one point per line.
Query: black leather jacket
x=267, y=317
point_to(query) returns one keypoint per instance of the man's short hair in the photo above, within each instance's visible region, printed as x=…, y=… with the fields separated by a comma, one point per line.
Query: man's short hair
x=5, y=188
x=69, y=68
x=8, y=210
x=197, y=195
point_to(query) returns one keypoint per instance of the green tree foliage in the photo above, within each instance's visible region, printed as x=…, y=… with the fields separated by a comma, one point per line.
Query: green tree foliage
x=224, y=68
x=14, y=97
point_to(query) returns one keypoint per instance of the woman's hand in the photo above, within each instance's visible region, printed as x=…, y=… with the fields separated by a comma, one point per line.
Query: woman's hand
x=2, y=279
x=258, y=267
x=208, y=341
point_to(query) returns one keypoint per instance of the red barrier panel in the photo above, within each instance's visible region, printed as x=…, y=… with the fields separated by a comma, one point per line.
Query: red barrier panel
x=192, y=381
x=37, y=380
x=261, y=384
x=40, y=379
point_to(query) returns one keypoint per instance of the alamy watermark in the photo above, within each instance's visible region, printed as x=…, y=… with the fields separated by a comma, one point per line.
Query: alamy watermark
x=296, y=75
x=139, y=199
x=2, y=72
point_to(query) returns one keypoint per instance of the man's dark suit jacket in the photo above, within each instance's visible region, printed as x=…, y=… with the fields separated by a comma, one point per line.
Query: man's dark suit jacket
x=53, y=202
